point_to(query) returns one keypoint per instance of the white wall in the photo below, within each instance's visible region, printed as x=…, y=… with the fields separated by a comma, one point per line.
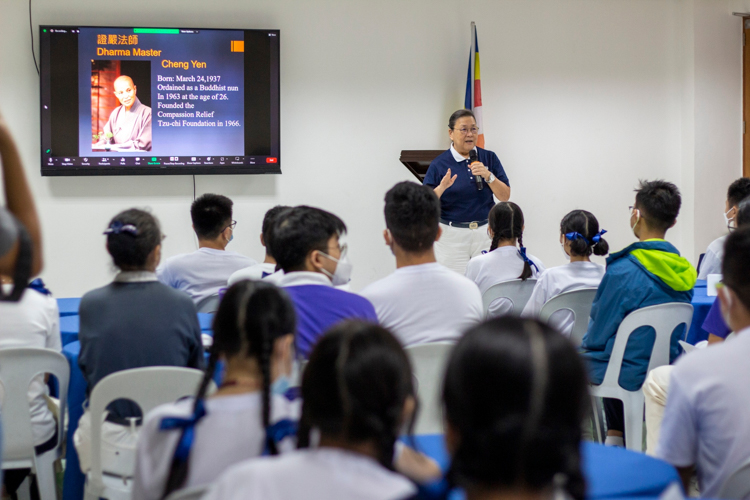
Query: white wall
x=581, y=97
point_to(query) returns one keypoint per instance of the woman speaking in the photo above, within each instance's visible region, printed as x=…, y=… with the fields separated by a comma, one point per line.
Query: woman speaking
x=465, y=177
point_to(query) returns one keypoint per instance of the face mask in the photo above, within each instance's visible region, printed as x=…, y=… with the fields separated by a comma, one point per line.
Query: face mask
x=728, y=298
x=728, y=220
x=231, y=237
x=343, y=272
x=281, y=385
x=637, y=219
x=562, y=247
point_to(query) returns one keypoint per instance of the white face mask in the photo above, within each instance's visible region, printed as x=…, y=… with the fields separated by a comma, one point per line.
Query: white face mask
x=637, y=219
x=728, y=220
x=343, y=272
x=562, y=247
x=728, y=298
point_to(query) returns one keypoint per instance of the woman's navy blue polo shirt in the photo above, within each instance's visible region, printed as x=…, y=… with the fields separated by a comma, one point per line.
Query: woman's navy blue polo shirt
x=463, y=202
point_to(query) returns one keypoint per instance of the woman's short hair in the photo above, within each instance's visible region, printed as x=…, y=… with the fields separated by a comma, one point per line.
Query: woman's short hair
x=131, y=237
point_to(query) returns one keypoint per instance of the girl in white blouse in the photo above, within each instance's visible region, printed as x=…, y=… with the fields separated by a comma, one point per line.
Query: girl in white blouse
x=507, y=259
x=579, y=238
x=357, y=392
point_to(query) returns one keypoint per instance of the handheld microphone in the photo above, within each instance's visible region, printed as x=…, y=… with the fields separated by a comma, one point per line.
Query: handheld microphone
x=477, y=178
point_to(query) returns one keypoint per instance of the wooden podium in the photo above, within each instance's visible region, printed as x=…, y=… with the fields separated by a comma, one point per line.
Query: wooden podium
x=417, y=161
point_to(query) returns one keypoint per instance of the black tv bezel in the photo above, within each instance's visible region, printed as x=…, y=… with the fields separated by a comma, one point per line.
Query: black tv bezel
x=98, y=171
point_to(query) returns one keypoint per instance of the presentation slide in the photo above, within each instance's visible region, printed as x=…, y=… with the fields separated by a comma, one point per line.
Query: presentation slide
x=161, y=98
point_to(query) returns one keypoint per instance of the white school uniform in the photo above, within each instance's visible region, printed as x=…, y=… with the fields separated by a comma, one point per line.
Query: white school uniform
x=425, y=303
x=312, y=474
x=201, y=273
x=711, y=263
x=254, y=272
x=231, y=432
x=34, y=321
x=501, y=264
x=557, y=280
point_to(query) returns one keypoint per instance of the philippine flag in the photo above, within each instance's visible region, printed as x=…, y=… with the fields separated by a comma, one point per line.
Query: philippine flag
x=473, y=99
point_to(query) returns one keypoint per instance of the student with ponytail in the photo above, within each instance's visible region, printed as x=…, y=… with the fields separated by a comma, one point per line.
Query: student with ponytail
x=191, y=442
x=507, y=259
x=357, y=392
x=580, y=237
x=520, y=436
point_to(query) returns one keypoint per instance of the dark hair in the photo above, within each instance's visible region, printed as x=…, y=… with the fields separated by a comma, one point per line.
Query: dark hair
x=738, y=191
x=457, y=115
x=251, y=317
x=515, y=392
x=268, y=222
x=735, y=267
x=743, y=212
x=659, y=202
x=412, y=214
x=301, y=230
x=585, y=224
x=506, y=222
x=211, y=214
x=354, y=387
x=130, y=251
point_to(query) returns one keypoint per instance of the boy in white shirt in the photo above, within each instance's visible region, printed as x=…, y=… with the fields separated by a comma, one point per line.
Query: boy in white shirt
x=268, y=266
x=422, y=301
x=579, y=238
x=202, y=273
x=711, y=264
x=706, y=424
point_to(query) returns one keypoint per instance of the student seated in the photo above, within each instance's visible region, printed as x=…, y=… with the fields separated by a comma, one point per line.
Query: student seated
x=422, y=301
x=738, y=191
x=646, y=273
x=202, y=273
x=357, y=395
x=579, y=238
x=133, y=322
x=306, y=247
x=33, y=321
x=519, y=436
x=268, y=266
x=253, y=335
x=706, y=424
x=507, y=259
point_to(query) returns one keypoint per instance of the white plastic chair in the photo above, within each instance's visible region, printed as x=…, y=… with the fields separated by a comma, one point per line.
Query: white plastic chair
x=516, y=291
x=18, y=366
x=208, y=304
x=428, y=364
x=737, y=485
x=578, y=302
x=195, y=493
x=663, y=318
x=148, y=387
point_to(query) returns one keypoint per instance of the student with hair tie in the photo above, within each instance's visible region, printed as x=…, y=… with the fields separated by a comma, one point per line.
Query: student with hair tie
x=191, y=442
x=519, y=436
x=507, y=259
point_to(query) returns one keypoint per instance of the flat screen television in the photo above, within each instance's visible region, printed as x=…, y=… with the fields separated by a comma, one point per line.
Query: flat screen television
x=135, y=101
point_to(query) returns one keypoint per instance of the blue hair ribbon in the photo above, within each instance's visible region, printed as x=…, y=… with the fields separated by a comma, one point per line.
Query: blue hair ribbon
x=118, y=227
x=598, y=236
x=522, y=253
x=593, y=241
x=280, y=431
x=182, y=452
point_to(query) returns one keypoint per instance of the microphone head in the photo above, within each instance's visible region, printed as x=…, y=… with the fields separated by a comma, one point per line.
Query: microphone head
x=473, y=156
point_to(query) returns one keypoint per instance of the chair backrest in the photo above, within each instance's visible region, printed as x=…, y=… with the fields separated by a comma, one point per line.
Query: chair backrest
x=194, y=493
x=208, y=304
x=428, y=367
x=516, y=291
x=18, y=366
x=148, y=387
x=663, y=318
x=737, y=485
x=576, y=301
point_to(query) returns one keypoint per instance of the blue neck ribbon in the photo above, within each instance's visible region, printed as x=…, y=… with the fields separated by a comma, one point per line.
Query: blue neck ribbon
x=522, y=253
x=280, y=431
x=593, y=241
x=182, y=452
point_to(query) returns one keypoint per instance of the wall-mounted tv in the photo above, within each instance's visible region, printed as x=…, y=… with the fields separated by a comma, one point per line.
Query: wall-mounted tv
x=135, y=101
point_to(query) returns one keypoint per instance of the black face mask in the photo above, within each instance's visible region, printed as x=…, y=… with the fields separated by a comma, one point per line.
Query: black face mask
x=22, y=270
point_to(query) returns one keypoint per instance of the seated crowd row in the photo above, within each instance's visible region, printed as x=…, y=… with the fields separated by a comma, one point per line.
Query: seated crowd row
x=356, y=389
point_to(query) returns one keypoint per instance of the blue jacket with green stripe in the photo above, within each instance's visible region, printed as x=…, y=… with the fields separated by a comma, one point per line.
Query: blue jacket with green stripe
x=644, y=274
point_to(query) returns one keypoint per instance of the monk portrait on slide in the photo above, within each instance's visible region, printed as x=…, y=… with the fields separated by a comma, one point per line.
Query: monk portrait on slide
x=129, y=125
